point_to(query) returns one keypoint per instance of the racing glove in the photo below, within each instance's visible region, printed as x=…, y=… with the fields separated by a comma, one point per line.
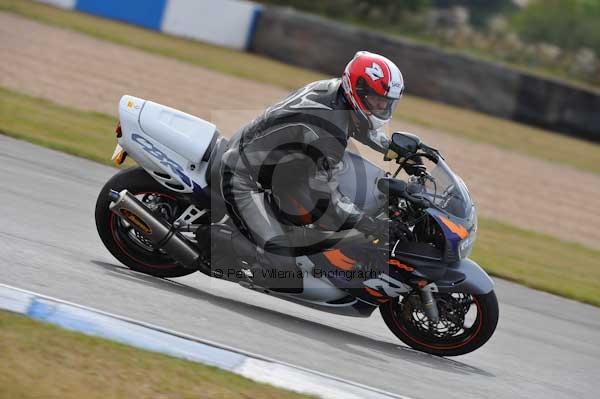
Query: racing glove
x=414, y=167
x=373, y=227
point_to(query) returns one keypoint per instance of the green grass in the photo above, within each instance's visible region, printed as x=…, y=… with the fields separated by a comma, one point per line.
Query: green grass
x=532, y=259
x=539, y=261
x=85, y=134
x=472, y=125
x=39, y=360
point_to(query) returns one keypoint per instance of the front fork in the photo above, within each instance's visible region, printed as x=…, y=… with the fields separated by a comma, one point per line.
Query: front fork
x=429, y=303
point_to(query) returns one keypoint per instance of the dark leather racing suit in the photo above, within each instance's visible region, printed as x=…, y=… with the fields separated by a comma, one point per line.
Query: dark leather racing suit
x=288, y=154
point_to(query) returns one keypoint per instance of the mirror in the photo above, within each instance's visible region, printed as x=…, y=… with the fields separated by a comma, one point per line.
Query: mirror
x=403, y=145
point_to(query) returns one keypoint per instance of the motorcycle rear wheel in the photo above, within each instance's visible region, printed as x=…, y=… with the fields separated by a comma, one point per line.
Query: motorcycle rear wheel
x=453, y=335
x=124, y=243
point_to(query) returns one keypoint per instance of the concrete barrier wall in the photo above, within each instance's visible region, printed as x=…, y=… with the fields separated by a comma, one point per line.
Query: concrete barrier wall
x=229, y=23
x=313, y=42
x=148, y=14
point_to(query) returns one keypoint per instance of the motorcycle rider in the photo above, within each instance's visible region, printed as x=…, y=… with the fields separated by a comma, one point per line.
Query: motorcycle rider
x=294, y=146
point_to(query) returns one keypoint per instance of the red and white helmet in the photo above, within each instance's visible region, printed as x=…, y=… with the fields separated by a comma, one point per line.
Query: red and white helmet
x=373, y=85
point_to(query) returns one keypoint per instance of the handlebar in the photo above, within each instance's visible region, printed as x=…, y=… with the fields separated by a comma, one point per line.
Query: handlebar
x=400, y=188
x=419, y=202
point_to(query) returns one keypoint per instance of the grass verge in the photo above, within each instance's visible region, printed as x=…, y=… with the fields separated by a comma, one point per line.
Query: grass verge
x=539, y=261
x=43, y=361
x=85, y=134
x=535, y=260
x=472, y=125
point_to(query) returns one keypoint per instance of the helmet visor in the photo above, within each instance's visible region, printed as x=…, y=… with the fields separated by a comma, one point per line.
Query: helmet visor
x=380, y=106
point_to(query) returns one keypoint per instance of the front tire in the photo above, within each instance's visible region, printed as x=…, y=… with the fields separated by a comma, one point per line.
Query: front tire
x=121, y=242
x=453, y=335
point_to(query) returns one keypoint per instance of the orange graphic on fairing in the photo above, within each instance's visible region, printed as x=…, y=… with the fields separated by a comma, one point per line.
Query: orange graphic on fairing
x=374, y=293
x=400, y=265
x=377, y=295
x=455, y=228
x=339, y=260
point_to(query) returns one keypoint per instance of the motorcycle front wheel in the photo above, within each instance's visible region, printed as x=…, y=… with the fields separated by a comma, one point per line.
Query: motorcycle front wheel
x=466, y=322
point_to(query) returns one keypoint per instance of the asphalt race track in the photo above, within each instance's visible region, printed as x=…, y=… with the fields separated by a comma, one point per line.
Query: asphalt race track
x=545, y=346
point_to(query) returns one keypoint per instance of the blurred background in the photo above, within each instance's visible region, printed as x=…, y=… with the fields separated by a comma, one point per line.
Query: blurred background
x=530, y=61
x=506, y=89
x=559, y=37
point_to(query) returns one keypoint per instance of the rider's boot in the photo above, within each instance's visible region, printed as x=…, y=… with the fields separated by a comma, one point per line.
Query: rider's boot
x=277, y=269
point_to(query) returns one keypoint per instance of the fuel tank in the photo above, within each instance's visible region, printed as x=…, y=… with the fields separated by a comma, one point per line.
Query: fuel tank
x=358, y=181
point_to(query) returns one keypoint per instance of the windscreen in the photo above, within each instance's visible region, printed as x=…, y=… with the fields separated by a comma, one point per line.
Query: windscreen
x=445, y=189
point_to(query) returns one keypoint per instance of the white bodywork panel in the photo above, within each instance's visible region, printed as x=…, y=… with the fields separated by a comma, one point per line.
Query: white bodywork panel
x=317, y=290
x=228, y=23
x=68, y=4
x=168, y=143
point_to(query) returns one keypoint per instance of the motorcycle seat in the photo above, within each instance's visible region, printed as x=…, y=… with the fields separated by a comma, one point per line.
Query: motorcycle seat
x=213, y=175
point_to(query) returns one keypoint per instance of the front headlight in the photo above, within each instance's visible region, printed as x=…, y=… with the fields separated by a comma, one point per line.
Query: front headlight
x=466, y=246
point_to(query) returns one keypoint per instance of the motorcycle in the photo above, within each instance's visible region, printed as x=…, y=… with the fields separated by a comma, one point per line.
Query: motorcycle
x=166, y=218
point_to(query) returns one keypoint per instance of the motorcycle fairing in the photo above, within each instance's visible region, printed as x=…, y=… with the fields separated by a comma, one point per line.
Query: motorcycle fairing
x=171, y=145
x=465, y=276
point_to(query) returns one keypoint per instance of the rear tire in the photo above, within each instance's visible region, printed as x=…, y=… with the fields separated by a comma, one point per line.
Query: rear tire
x=398, y=320
x=119, y=243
